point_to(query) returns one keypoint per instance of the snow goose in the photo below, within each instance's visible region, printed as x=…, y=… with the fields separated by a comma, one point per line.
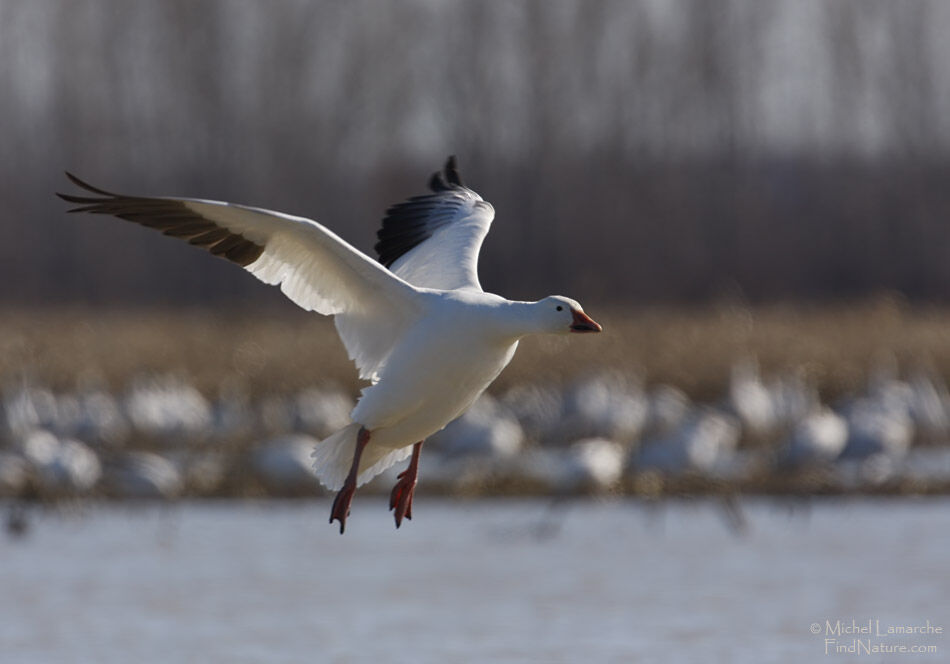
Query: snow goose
x=417, y=323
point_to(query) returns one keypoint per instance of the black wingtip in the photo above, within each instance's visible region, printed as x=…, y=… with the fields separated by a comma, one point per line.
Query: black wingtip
x=447, y=178
x=71, y=199
x=437, y=182
x=82, y=184
x=452, y=171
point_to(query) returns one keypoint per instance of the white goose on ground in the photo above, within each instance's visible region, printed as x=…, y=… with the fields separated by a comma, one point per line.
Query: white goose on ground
x=423, y=331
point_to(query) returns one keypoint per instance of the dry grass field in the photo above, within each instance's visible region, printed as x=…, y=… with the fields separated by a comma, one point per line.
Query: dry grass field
x=262, y=354
x=692, y=348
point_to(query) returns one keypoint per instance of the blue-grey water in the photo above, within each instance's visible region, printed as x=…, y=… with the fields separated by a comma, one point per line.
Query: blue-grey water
x=590, y=581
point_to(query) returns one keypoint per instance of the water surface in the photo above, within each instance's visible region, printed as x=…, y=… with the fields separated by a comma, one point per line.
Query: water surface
x=588, y=581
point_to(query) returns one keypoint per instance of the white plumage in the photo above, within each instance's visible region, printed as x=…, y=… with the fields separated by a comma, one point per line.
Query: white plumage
x=423, y=331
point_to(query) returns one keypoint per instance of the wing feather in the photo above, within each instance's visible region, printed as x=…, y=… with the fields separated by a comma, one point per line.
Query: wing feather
x=433, y=240
x=315, y=268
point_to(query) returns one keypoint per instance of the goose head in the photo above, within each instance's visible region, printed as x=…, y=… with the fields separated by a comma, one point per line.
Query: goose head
x=562, y=315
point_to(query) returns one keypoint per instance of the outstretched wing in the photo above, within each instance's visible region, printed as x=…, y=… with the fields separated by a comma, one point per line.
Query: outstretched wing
x=314, y=267
x=433, y=240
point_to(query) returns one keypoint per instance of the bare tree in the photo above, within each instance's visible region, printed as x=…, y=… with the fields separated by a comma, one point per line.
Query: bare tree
x=633, y=150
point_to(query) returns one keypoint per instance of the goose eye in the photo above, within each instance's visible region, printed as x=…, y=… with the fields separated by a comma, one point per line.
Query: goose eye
x=560, y=308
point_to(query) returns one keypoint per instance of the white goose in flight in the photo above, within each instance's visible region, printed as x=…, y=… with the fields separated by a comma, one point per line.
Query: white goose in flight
x=423, y=331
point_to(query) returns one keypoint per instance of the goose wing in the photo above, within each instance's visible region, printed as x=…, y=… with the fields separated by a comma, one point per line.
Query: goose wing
x=433, y=240
x=314, y=267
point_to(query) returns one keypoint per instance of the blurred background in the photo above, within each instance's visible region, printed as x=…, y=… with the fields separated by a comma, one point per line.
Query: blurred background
x=749, y=195
x=775, y=149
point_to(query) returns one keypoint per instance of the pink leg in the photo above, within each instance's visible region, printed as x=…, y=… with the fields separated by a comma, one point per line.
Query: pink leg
x=401, y=497
x=341, y=505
